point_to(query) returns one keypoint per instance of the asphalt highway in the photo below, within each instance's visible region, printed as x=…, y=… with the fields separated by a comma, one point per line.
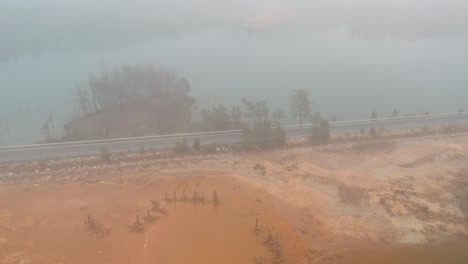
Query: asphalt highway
x=40, y=151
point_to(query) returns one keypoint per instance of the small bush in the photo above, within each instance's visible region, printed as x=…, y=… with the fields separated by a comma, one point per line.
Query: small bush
x=247, y=139
x=321, y=133
x=94, y=227
x=181, y=146
x=372, y=132
x=279, y=136
x=104, y=153
x=263, y=135
x=196, y=144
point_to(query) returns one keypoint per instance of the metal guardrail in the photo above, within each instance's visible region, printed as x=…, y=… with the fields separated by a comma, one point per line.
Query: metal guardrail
x=32, y=152
x=198, y=134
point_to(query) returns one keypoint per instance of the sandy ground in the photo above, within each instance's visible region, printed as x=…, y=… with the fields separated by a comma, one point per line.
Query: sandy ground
x=321, y=204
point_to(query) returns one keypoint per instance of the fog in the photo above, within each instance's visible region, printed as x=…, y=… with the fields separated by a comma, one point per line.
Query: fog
x=353, y=56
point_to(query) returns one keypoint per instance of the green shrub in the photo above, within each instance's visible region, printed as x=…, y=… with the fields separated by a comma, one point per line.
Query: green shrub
x=247, y=139
x=279, y=136
x=321, y=132
x=263, y=135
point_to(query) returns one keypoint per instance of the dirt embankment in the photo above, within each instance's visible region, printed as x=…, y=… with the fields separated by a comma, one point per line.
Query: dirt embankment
x=313, y=205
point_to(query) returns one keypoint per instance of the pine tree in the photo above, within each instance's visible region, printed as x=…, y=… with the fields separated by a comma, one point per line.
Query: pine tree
x=300, y=105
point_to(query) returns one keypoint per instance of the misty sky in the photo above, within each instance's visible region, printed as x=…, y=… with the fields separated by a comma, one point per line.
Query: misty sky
x=352, y=55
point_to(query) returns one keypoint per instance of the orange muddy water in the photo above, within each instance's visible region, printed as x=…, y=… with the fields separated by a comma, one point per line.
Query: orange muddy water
x=205, y=234
x=441, y=254
x=45, y=224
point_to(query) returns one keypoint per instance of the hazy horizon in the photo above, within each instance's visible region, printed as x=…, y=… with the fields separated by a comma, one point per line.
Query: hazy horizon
x=352, y=57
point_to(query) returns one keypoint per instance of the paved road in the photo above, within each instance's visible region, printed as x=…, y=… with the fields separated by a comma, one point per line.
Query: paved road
x=33, y=152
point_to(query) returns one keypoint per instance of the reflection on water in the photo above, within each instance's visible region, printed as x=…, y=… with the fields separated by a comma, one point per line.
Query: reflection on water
x=203, y=234
x=224, y=233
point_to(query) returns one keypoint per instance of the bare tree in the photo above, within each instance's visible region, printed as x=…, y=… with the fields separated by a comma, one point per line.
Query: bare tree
x=45, y=128
x=82, y=99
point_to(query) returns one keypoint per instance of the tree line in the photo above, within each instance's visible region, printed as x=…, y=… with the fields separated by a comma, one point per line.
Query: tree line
x=168, y=99
x=163, y=96
x=128, y=84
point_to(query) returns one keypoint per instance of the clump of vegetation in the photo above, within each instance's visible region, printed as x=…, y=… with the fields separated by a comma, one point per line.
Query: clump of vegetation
x=95, y=228
x=279, y=136
x=181, y=146
x=196, y=144
x=216, y=119
x=150, y=218
x=260, y=168
x=275, y=247
x=104, y=154
x=156, y=92
x=184, y=198
x=137, y=227
x=263, y=135
x=156, y=207
x=321, y=132
x=373, y=132
x=197, y=198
